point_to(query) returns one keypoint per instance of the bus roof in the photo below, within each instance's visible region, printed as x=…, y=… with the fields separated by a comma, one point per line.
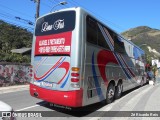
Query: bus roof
x=83, y=10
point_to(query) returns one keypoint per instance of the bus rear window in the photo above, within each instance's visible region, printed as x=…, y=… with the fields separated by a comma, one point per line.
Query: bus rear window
x=55, y=23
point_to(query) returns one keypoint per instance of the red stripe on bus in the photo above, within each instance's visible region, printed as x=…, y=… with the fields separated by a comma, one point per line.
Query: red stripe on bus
x=38, y=78
x=103, y=58
x=64, y=65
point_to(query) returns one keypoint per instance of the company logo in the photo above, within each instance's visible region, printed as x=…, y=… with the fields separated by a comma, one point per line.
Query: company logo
x=59, y=24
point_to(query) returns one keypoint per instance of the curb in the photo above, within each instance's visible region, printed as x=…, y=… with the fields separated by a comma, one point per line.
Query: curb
x=13, y=88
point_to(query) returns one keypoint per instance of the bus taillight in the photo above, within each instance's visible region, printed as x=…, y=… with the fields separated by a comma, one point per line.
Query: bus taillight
x=75, y=77
x=74, y=80
x=75, y=69
x=74, y=74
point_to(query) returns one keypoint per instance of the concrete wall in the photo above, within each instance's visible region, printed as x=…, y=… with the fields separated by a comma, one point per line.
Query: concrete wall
x=13, y=74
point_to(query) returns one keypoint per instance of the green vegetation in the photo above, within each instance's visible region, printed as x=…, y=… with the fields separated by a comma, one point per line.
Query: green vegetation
x=145, y=35
x=12, y=37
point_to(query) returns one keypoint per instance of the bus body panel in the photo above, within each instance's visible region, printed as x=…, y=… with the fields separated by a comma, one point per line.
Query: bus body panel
x=103, y=66
x=53, y=57
x=52, y=72
x=65, y=98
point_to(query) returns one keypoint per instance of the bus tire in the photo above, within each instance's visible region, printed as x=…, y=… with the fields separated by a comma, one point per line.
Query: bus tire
x=110, y=93
x=118, y=90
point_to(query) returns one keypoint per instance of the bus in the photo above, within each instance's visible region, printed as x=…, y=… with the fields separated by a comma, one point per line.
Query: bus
x=77, y=60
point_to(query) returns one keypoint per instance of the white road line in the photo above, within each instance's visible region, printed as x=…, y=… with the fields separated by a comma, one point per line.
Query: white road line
x=12, y=90
x=27, y=108
x=132, y=103
x=111, y=105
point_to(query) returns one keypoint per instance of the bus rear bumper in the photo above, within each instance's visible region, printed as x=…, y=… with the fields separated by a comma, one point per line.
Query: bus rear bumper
x=66, y=98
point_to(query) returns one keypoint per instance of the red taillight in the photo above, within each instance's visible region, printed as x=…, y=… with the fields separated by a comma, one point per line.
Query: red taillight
x=74, y=74
x=74, y=80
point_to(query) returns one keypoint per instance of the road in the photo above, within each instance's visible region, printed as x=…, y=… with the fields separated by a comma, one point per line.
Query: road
x=145, y=98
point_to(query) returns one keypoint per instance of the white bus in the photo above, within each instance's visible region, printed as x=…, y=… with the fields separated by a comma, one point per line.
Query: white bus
x=78, y=61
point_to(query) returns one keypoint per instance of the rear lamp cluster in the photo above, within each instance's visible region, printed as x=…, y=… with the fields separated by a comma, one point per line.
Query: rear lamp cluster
x=75, y=74
x=75, y=77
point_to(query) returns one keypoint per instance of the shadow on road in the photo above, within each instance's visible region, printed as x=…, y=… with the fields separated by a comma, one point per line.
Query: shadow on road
x=87, y=111
x=62, y=111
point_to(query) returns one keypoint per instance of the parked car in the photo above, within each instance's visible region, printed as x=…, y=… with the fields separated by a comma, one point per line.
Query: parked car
x=6, y=110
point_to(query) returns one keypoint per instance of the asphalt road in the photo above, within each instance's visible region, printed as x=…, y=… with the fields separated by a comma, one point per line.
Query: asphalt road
x=145, y=98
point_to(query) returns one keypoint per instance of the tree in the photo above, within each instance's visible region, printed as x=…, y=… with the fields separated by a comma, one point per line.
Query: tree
x=13, y=37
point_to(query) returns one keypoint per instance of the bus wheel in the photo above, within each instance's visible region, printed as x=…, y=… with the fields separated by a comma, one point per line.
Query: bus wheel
x=118, y=91
x=110, y=93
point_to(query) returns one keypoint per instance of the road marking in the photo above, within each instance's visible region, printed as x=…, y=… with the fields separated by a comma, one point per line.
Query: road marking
x=10, y=90
x=111, y=105
x=27, y=108
x=132, y=103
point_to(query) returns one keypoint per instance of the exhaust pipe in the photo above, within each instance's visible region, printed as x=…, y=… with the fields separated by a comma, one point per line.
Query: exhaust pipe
x=35, y=94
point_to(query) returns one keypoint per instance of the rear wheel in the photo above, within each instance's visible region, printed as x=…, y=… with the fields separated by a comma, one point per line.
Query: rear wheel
x=118, y=90
x=110, y=93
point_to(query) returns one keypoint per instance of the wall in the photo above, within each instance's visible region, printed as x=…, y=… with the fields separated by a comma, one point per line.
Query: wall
x=13, y=74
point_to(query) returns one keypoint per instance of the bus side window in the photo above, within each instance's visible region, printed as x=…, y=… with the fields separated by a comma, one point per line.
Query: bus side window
x=119, y=44
x=138, y=54
x=91, y=31
x=101, y=40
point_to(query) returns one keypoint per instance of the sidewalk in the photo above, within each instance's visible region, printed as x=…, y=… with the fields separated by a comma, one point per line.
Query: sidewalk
x=13, y=88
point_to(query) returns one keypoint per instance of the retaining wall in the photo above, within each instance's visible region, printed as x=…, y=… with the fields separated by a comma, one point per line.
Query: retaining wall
x=13, y=74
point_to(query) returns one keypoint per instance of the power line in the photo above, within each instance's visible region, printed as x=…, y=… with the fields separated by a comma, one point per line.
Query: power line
x=6, y=15
x=12, y=23
x=49, y=6
x=15, y=18
x=28, y=21
x=22, y=22
x=15, y=11
x=64, y=6
x=74, y=3
x=17, y=25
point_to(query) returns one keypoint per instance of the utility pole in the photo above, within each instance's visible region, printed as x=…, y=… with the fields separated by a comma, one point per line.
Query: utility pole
x=37, y=7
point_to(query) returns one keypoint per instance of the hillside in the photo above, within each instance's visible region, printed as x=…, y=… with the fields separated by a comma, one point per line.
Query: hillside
x=12, y=37
x=144, y=35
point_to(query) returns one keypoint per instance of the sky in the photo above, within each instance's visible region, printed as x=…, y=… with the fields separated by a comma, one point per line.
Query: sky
x=120, y=15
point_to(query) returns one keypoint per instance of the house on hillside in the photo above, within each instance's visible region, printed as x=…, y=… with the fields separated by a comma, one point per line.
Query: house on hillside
x=23, y=51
